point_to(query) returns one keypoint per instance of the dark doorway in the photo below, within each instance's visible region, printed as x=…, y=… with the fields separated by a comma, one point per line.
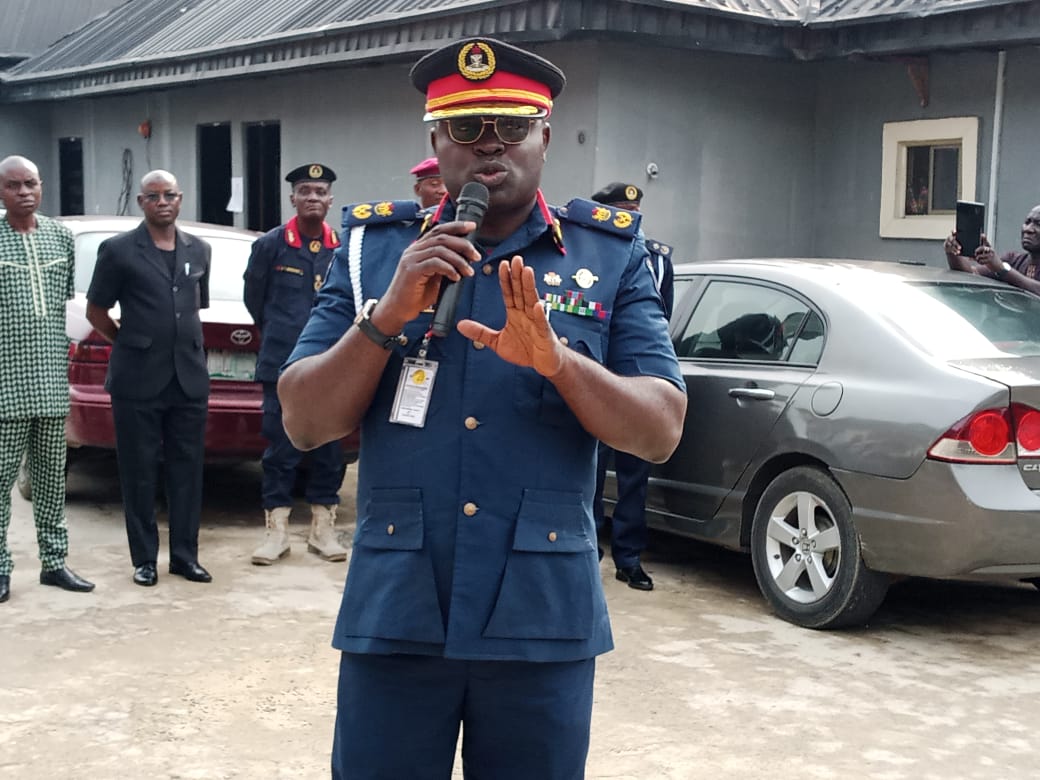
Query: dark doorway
x=70, y=175
x=263, y=175
x=215, y=173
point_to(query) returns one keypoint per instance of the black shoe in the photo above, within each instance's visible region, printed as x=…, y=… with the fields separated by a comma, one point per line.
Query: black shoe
x=635, y=577
x=600, y=553
x=146, y=575
x=5, y=587
x=190, y=571
x=66, y=579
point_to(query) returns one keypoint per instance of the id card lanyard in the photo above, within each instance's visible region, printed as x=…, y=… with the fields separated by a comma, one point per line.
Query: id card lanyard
x=414, y=388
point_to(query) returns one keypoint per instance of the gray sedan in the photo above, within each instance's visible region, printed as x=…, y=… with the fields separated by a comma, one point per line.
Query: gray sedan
x=854, y=421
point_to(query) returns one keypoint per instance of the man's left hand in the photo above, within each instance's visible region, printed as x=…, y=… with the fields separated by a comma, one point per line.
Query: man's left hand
x=526, y=339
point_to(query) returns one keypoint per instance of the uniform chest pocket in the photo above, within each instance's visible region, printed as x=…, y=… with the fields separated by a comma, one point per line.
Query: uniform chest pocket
x=547, y=589
x=289, y=278
x=536, y=396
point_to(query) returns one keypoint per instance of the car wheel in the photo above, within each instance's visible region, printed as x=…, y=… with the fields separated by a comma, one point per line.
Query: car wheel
x=806, y=553
x=24, y=480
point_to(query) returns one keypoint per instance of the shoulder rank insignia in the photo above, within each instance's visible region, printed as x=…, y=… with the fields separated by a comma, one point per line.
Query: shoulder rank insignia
x=380, y=212
x=658, y=248
x=595, y=215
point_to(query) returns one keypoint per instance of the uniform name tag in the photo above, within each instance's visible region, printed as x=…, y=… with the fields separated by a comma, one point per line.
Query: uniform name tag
x=412, y=398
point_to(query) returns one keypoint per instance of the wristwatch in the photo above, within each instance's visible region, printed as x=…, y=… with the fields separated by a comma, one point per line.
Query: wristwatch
x=1003, y=271
x=364, y=323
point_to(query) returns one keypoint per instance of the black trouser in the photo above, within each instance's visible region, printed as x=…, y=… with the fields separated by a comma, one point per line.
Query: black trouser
x=177, y=424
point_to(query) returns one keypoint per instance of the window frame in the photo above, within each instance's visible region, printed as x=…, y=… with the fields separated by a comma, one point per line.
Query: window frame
x=896, y=137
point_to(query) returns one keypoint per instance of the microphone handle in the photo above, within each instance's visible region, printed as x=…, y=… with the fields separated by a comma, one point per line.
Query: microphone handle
x=444, y=315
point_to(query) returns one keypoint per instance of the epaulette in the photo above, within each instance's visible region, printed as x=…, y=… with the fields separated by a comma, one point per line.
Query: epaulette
x=591, y=214
x=658, y=248
x=379, y=212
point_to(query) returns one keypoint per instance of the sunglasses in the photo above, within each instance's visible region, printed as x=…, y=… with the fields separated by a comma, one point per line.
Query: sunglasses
x=469, y=129
x=155, y=197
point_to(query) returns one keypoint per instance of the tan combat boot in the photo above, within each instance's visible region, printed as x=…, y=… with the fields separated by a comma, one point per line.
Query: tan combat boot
x=276, y=540
x=323, y=536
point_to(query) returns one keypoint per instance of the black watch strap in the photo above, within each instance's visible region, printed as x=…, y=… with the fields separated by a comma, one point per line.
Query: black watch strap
x=365, y=325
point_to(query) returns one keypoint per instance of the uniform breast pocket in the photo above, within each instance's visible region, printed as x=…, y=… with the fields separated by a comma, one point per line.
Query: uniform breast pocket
x=536, y=396
x=547, y=590
x=390, y=591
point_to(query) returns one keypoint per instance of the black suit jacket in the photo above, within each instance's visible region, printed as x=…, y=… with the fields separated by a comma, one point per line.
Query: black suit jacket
x=160, y=333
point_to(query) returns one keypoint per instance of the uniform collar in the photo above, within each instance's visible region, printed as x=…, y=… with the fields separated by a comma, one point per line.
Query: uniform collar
x=329, y=239
x=541, y=219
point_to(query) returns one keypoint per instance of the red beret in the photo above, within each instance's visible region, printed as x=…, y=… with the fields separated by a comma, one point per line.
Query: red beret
x=427, y=168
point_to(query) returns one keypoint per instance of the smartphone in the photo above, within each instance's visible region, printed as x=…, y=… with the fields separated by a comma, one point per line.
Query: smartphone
x=970, y=216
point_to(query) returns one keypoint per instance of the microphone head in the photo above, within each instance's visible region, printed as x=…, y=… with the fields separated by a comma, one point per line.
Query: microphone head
x=473, y=199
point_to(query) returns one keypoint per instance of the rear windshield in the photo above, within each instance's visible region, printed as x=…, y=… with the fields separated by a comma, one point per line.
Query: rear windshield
x=958, y=321
x=229, y=258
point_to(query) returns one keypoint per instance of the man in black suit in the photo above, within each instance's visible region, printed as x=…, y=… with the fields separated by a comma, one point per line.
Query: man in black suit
x=157, y=374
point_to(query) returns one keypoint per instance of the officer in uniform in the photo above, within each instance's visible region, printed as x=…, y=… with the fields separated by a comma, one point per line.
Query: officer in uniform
x=628, y=523
x=287, y=266
x=429, y=186
x=473, y=594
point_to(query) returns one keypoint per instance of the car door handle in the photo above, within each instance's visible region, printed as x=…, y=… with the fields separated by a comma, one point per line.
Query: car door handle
x=756, y=393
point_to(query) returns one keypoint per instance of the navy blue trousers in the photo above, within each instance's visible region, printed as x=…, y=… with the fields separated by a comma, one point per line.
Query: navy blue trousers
x=399, y=718
x=628, y=524
x=280, y=459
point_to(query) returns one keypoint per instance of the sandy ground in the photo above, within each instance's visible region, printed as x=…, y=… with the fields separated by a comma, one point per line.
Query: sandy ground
x=236, y=679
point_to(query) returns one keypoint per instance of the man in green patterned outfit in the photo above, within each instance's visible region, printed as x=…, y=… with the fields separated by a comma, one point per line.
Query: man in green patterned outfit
x=37, y=256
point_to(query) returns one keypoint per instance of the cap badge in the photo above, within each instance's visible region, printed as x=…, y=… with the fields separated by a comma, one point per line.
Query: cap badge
x=600, y=214
x=384, y=209
x=362, y=211
x=553, y=279
x=585, y=278
x=316, y=171
x=623, y=220
x=314, y=246
x=476, y=61
x=631, y=192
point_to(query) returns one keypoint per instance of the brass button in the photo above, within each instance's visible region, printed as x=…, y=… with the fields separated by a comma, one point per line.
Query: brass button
x=552, y=536
x=488, y=269
x=479, y=345
x=472, y=423
x=390, y=529
x=469, y=509
x=564, y=341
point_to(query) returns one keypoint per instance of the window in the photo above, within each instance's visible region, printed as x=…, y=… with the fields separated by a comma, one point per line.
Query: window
x=739, y=321
x=926, y=167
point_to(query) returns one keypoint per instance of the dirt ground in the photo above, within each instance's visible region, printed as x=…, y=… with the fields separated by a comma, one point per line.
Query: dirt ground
x=236, y=679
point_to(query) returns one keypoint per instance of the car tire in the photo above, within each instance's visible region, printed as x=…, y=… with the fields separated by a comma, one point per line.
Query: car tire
x=24, y=479
x=806, y=553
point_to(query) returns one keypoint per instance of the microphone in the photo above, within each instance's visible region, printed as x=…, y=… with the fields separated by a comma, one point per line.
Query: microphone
x=472, y=205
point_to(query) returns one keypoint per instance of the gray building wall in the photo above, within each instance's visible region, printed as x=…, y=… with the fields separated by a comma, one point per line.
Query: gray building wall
x=25, y=130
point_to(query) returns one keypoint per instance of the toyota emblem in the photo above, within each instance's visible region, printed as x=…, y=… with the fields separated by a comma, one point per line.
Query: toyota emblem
x=241, y=336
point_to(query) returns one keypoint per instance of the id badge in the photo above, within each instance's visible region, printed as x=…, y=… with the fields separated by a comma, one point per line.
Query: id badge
x=412, y=398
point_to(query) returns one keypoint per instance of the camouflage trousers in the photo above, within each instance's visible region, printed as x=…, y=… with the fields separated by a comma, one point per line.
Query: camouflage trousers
x=43, y=438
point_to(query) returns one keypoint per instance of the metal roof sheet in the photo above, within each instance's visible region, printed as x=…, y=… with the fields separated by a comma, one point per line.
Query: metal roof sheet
x=28, y=27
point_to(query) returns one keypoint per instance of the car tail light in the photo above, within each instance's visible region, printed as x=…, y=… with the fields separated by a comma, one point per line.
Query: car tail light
x=88, y=359
x=991, y=436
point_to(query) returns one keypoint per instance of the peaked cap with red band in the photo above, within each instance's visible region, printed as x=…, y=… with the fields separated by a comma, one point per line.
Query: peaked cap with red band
x=485, y=77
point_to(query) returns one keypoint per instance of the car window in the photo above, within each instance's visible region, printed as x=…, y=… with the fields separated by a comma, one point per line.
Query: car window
x=743, y=321
x=954, y=321
x=230, y=255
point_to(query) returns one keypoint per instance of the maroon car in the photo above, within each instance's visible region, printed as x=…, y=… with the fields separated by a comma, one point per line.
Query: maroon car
x=230, y=339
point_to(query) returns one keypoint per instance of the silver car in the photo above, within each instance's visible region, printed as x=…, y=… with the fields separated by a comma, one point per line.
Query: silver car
x=854, y=421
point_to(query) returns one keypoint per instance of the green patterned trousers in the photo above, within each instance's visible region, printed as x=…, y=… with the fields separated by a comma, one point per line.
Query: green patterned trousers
x=44, y=439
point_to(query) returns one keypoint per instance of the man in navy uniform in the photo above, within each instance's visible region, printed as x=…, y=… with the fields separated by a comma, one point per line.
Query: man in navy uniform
x=473, y=596
x=429, y=186
x=287, y=266
x=628, y=523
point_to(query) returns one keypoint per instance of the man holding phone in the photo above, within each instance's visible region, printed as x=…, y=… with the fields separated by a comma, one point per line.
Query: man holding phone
x=1020, y=269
